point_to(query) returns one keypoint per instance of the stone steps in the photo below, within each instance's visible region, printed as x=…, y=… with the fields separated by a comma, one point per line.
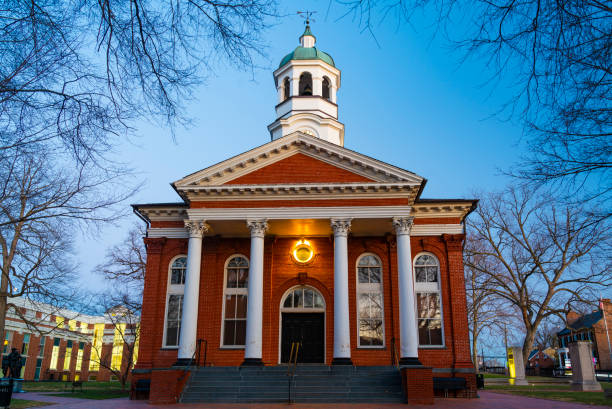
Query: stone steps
x=310, y=384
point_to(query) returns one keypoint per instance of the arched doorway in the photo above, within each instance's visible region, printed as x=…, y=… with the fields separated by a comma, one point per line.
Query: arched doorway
x=303, y=320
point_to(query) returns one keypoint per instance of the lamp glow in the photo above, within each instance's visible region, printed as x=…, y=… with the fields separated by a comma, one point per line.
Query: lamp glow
x=302, y=251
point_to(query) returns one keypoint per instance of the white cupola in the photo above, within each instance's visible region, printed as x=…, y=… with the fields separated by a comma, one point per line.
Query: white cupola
x=307, y=81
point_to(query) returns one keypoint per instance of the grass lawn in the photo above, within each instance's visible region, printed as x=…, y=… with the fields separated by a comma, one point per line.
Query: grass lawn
x=97, y=394
x=22, y=403
x=555, y=392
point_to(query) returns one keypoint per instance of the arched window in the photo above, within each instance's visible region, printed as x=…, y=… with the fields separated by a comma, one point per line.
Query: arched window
x=429, y=305
x=326, y=88
x=174, y=301
x=301, y=298
x=306, y=84
x=235, y=290
x=286, y=88
x=370, y=320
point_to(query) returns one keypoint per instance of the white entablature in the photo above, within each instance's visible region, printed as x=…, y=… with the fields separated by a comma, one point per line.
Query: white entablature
x=307, y=83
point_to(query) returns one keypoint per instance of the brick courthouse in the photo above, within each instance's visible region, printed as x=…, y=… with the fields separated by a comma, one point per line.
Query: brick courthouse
x=303, y=240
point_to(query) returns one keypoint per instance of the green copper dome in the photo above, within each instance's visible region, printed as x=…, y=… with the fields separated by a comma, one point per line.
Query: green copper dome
x=307, y=53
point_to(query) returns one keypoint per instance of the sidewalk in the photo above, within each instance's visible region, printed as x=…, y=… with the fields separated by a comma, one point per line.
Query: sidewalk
x=487, y=400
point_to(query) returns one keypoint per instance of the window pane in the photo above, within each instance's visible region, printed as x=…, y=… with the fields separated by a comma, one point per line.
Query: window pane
x=228, y=333
x=423, y=333
x=425, y=259
x=230, y=306
x=432, y=274
x=308, y=299
x=171, y=336
x=319, y=301
x=375, y=275
x=288, y=301
x=370, y=332
x=363, y=274
x=242, y=276
x=376, y=305
x=232, y=278
x=298, y=299
x=364, y=305
x=241, y=306
x=420, y=274
x=240, y=332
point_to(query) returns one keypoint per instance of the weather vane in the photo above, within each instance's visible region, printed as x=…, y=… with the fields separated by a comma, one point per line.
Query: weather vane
x=307, y=15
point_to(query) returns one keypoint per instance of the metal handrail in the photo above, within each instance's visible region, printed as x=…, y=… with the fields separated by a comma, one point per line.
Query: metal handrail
x=394, y=355
x=291, y=367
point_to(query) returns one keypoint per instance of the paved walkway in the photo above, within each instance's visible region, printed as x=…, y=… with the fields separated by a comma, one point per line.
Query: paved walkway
x=488, y=400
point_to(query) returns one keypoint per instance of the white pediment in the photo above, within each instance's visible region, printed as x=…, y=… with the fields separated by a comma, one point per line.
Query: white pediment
x=265, y=155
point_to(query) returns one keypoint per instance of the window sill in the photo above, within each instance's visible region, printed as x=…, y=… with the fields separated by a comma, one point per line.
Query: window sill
x=230, y=348
x=381, y=347
x=169, y=348
x=432, y=346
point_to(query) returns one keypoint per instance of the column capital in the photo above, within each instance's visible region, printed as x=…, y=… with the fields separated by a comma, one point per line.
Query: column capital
x=341, y=227
x=196, y=228
x=257, y=227
x=403, y=225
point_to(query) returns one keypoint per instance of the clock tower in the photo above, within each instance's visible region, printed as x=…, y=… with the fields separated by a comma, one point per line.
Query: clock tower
x=307, y=82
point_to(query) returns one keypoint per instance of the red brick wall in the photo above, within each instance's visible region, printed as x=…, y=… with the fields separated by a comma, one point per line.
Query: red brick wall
x=298, y=168
x=280, y=274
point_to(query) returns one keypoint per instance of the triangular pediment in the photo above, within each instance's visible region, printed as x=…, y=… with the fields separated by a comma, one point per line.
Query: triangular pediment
x=336, y=165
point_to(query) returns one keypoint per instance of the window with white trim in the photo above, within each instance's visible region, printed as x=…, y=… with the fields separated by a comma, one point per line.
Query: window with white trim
x=429, y=306
x=235, y=291
x=303, y=298
x=370, y=319
x=174, y=303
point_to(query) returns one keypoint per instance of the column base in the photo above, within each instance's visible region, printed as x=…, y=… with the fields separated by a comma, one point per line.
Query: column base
x=183, y=362
x=410, y=361
x=342, y=361
x=252, y=362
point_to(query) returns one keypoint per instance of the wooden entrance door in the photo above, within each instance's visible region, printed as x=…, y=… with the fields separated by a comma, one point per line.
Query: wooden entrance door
x=307, y=328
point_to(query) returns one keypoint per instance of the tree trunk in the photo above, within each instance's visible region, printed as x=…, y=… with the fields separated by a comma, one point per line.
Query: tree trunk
x=475, y=347
x=528, y=345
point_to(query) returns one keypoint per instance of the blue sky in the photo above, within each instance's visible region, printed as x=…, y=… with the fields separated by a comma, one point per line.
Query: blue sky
x=404, y=99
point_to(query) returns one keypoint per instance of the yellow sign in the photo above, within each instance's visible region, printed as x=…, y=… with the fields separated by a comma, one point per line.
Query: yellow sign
x=511, y=367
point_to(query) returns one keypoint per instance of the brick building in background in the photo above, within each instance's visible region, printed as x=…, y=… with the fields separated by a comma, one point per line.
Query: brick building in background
x=66, y=345
x=303, y=240
x=591, y=327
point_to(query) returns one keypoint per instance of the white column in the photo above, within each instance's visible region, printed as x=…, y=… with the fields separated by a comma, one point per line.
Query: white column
x=409, y=336
x=189, y=319
x=342, y=334
x=252, y=351
x=295, y=86
x=317, y=86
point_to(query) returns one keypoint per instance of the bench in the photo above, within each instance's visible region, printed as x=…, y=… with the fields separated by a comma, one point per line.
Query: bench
x=449, y=384
x=141, y=387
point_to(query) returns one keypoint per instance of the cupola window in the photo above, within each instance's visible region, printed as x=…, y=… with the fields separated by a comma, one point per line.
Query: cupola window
x=286, y=89
x=326, y=87
x=306, y=84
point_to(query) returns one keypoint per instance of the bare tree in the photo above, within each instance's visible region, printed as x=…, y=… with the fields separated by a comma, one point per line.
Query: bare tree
x=125, y=263
x=558, y=56
x=486, y=312
x=42, y=202
x=546, y=257
x=74, y=74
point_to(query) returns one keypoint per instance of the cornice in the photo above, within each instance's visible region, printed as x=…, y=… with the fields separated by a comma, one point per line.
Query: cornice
x=281, y=213
x=445, y=209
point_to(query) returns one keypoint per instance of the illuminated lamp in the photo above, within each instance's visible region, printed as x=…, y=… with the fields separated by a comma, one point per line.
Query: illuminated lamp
x=303, y=252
